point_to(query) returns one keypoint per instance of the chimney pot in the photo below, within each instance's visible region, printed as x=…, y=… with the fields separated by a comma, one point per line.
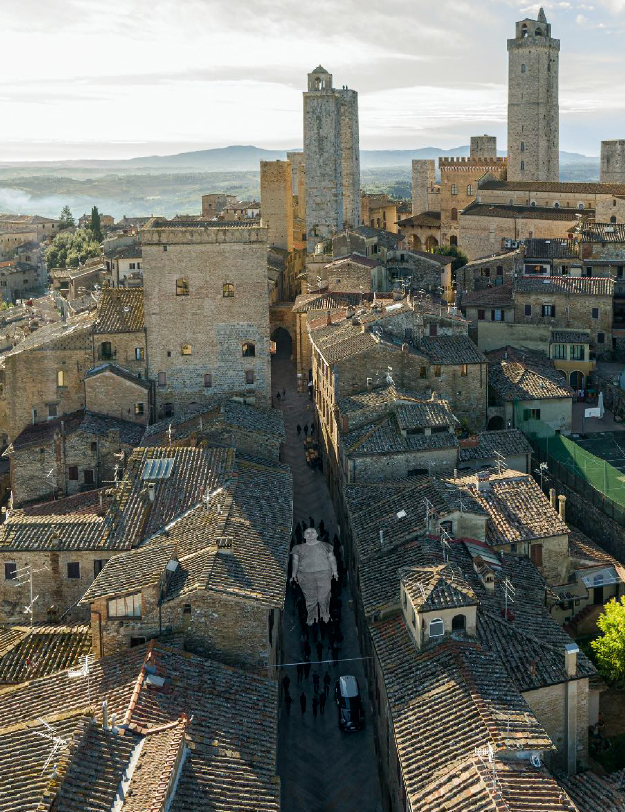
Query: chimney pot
x=562, y=507
x=105, y=716
x=483, y=481
x=552, y=497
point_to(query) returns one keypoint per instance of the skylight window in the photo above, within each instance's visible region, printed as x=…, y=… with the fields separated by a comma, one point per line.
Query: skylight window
x=159, y=468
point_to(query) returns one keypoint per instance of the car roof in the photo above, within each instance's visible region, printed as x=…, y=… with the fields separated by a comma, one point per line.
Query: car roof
x=348, y=686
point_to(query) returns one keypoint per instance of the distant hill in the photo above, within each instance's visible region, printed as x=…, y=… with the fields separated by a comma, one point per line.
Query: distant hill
x=239, y=158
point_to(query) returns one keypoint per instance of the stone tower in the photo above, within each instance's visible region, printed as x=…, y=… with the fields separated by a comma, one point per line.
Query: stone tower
x=276, y=202
x=423, y=182
x=533, y=111
x=332, y=157
x=613, y=161
x=483, y=146
x=206, y=307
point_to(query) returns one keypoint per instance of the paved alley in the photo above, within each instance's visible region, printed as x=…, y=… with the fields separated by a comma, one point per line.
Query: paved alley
x=321, y=768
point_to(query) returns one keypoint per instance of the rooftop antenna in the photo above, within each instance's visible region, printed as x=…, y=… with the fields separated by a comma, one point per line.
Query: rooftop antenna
x=509, y=592
x=58, y=742
x=500, y=461
x=445, y=538
x=429, y=508
x=542, y=472
x=24, y=575
x=169, y=433
x=389, y=377
x=84, y=671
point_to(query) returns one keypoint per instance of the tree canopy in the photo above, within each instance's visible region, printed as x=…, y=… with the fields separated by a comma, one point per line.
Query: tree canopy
x=67, y=218
x=96, y=229
x=71, y=250
x=610, y=647
x=459, y=260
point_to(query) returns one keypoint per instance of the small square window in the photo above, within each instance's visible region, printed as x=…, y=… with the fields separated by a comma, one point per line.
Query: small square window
x=186, y=609
x=164, y=248
x=60, y=378
x=72, y=472
x=94, y=447
x=437, y=371
x=464, y=370
x=139, y=353
x=481, y=315
x=98, y=566
x=528, y=310
x=10, y=570
x=52, y=410
x=600, y=338
x=139, y=408
x=423, y=372
x=208, y=380
x=186, y=349
x=249, y=376
x=228, y=290
x=73, y=569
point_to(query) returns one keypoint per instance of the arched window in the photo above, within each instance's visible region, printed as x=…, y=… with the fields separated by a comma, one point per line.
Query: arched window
x=532, y=202
x=458, y=623
x=580, y=205
x=454, y=189
x=538, y=32
x=228, y=290
x=470, y=189
x=249, y=376
x=453, y=240
x=556, y=205
x=60, y=378
x=182, y=286
x=523, y=69
x=248, y=350
x=437, y=627
x=454, y=214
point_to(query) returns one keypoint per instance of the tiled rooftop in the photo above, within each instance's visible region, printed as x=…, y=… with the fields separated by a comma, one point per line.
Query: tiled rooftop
x=76, y=332
x=567, y=285
x=450, y=350
x=384, y=437
x=120, y=310
x=524, y=375
x=551, y=249
x=68, y=531
x=555, y=186
x=496, y=296
x=602, y=232
x=593, y=793
x=36, y=651
x=508, y=442
x=523, y=212
x=436, y=587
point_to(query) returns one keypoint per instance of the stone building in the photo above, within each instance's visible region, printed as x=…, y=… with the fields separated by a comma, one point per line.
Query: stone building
x=276, y=200
x=44, y=373
x=486, y=272
x=68, y=455
x=215, y=572
x=524, y=386
x=483, y=146
x=332, y=157
x=533, y=109
x=425, y=191
x=206, y=312
x=613, y=161
x=119, y=330
x=113, y=391
x=125, y=265
x=379, y=211
x=422, y=232
x=214, y=203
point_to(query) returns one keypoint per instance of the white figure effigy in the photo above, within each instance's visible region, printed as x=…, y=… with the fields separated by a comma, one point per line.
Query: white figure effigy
x=314, y=566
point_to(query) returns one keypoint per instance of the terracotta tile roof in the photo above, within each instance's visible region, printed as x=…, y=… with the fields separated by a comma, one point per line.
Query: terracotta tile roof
x=120, y=310
x=229, y=738
x=40, y=650
x=380, y=396
x=426, y=218
x=523, y=212
x=555, y=186
x=87, y=502
x=129, y=433
x=476, y=784
x=448, y=699
x=450, y=350
x=496, y=296
x=337, y=343
x=253, y=512
x=384, y=437
x=436, y=587
x=593, y=793
x=67, y=531
x=325, y=301
x=44, y=432
x=379, y=575
x=567, y=285
x=518, y=510
x=587, y=554
x=424, y=414
x=602, y=232
x=551, y=249
x=73, y=334
x=509, y=442
x=523, y=375
x=357, y=259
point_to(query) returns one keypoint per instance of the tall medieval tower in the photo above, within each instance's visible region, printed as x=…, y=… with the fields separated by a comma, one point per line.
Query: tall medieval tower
x=332, y=157
x=533, y=112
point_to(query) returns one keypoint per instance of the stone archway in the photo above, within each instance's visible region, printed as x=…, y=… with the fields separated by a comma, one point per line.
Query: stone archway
x=283, y=341
x=576, y=380
x=431, y=243
x=496, y=423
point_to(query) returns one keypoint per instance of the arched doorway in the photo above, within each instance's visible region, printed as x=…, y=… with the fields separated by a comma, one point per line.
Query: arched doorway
x=415, y=243
x=284, y=344
x=496, y=423
x=576, y=380
x=431, y=243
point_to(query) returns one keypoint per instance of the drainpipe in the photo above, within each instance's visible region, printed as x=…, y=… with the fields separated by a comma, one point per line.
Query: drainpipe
x=570, y=707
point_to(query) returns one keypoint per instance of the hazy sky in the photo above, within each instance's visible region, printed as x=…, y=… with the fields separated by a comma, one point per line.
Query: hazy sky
x=81, y=79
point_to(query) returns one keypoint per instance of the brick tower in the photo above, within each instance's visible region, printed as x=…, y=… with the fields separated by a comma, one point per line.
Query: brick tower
x=533, y=112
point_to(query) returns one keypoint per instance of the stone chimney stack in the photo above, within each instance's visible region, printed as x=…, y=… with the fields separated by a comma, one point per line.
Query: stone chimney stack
x=562, y=507
x=570, y=659
x=483, y=481
x=552, y=497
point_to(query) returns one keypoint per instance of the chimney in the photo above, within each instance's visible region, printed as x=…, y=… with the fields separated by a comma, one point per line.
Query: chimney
x=483, y=481
x=552, y=497
x=570, y=659
x=562, y=507
x=329, y=318
x=105, y=715
x=369, y=383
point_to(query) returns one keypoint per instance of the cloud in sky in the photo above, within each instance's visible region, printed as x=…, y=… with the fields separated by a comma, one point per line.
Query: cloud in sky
x=77, y=76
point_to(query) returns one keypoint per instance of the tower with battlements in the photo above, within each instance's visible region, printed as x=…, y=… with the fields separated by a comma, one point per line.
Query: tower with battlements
x=533, y=111
x=332, y=157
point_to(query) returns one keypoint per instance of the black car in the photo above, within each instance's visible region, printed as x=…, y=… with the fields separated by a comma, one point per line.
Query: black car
x=349, y=703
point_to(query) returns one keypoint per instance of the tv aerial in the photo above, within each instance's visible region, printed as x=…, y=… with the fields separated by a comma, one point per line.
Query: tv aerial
x=58, y=742
x=84, y=671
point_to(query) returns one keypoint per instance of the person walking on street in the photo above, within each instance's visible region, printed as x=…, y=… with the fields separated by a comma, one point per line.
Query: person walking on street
x=278, y=395
x=299, y=429
x=315, y=704
x=300, y=672
x=288, y=702
x=322, y=703
x=319, y=648
x=284, y=393
x=306, y=429
x=306, y=670
x=286, y=681
x=302, y=702
x=315, y=682
x=307, y=651
x=326, y=682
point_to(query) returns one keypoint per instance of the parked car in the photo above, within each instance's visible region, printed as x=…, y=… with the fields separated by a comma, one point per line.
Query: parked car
x=349, y=704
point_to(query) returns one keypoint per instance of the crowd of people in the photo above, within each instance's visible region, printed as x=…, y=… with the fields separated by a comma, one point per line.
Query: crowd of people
x=320, y=641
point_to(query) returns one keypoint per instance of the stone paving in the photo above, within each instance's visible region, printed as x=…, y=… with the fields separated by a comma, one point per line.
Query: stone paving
x=321, y=769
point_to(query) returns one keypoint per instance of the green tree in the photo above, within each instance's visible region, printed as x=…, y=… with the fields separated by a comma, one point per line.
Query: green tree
x=95, y=224
x=67, y=218
x=610, y=647
x=459, y=260
x=71, y=250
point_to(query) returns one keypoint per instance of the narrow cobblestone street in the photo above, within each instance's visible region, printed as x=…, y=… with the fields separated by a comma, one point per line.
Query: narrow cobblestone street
x=321, y=768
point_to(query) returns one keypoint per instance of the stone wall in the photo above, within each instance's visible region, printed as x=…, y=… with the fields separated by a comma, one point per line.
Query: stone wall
x=482, y=236
x=491, y=335
x=423, y=182
x=484, y=273
x=276, y=200
x=381, y=467
x=572, y=311
x=350, y=156
x=459, y=187
x=483, y=146
x=533, y=110
x=111, y=394
x=613, y=162
x=211, y=327
x=125, y=347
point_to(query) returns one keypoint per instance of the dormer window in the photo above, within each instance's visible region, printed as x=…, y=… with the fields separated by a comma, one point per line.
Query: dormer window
x=436, y=628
